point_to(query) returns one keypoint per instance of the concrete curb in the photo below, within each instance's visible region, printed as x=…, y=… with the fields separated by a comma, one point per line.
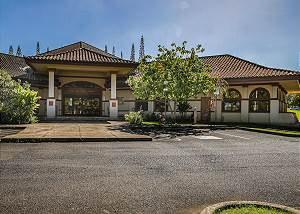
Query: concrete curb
x=269, y=132
x=66, y=140
x=211, y=209
x=12, y=127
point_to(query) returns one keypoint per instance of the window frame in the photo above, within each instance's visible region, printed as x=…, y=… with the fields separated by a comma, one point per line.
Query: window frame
x=226, y=99
x=268, y=100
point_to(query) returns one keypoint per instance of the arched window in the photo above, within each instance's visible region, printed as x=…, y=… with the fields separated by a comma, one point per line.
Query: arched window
x=259, y=100
x=232, y=101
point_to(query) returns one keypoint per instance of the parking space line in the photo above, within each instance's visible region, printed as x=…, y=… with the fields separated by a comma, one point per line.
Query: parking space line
x=234, y=136
x=207, y=137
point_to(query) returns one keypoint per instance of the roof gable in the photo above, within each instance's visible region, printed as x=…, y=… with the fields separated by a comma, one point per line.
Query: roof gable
x=79, y=52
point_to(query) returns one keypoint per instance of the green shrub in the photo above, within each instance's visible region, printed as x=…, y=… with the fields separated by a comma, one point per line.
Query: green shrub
x=18, y=103
x=134, y=118
x=150, y=117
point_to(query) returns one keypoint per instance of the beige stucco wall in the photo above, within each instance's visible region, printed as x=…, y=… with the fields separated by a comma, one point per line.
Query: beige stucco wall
x=231, y=117
x=259, y=117
x=126, y=102
x=97, y=81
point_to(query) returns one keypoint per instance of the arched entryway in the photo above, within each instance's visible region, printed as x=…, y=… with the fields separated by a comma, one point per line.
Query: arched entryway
x=82, y=99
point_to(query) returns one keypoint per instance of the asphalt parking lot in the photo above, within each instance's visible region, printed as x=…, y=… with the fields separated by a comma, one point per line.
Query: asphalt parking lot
x=179, y=175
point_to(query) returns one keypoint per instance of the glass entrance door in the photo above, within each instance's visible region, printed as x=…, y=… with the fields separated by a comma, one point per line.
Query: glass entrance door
x=82, y=106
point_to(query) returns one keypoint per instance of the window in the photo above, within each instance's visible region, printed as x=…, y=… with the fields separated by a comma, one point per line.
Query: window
x=282, y=101
x=259, y=100
x=232, y=101
x=141, y=105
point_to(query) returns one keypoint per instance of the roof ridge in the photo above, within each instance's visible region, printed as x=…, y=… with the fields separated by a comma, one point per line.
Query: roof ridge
x=217, y=55
x=42, y=54
x=109, y=55
x=102, y=51
x=82, y=45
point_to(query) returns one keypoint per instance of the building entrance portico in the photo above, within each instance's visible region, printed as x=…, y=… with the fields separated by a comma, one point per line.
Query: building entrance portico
x=82, y=80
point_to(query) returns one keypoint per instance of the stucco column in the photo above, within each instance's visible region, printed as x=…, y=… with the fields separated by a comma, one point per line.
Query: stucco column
x=274, y=105
x=51, y=111
x=245, y=105
x=113, y=102
x=218, y=110
x=151, y=106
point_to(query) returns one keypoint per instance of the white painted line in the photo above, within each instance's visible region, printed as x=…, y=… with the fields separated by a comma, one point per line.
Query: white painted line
x=205, y=137
x=234, y=136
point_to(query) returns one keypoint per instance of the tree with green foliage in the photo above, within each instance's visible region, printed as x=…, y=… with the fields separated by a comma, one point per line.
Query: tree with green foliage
x=293, y=100
x=37, y=51
x=11, y=50
x=19, y=51
x=183, y=107
x=114, y=51
x=175, y=74
x=48, y=49
x=18, y=103
x=132, y=54
x=121, y=55
x=142, y=49
x=105, y=48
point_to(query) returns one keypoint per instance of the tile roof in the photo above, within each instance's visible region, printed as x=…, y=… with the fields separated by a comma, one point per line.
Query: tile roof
x=80, y=52
x=18, y=69
x=225, y=66
x=230, y=67
x=14, y=65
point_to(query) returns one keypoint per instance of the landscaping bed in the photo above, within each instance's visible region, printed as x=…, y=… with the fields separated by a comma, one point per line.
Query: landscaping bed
x=249, y=209
x=166, y=131
x=155, y=128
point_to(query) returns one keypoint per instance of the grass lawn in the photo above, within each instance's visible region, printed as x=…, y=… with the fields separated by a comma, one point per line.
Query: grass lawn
x=277, y=131
x=297, y=113
x=250, y=209
x=151, y=123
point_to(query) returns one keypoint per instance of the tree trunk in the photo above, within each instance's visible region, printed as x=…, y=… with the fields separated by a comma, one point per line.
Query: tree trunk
x=173, y=110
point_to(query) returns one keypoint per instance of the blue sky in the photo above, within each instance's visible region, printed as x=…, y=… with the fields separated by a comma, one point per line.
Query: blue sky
x=263, y=31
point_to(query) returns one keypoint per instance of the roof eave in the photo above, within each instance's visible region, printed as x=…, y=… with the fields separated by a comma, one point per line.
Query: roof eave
x=269, y=78
x=112, y=64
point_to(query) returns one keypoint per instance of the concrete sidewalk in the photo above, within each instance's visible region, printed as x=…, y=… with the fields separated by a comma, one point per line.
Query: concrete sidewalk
x=73, y=132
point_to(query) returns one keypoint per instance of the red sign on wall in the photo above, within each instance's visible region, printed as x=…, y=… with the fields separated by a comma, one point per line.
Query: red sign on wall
x=113, y=104
x=50, y=103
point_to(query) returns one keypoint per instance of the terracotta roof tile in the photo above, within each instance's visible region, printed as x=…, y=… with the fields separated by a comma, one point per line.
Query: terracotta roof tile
x=15, y=65
x=18, y=69
x=231, y=67
x=80, y=52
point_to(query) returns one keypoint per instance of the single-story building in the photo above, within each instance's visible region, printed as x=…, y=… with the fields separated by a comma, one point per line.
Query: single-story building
x=82, y=80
